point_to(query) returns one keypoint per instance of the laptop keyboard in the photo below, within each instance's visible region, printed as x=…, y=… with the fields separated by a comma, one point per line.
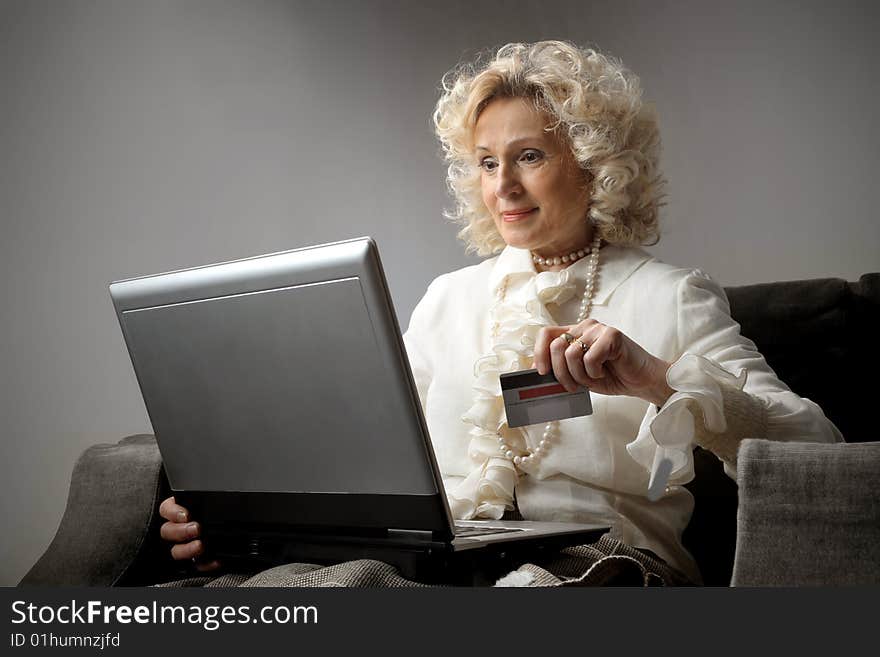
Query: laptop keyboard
x=462, y=531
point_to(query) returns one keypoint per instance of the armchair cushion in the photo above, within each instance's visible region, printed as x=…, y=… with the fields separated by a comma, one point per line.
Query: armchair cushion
x=109, y=532
x=809, y=514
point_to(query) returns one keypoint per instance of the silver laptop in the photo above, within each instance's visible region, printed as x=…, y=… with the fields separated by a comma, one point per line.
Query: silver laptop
x=288, y=421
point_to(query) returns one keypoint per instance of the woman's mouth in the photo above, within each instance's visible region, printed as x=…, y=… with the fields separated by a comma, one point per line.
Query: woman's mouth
x=516, y=215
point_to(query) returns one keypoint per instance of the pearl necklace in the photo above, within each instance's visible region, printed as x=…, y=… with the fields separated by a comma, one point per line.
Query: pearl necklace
x=526, y=457
x=574, y=256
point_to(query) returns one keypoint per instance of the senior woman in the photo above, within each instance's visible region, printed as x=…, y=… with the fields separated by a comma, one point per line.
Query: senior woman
x=553, y=164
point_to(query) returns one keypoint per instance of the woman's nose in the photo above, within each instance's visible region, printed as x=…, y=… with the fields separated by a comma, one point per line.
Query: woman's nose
x=507, y=182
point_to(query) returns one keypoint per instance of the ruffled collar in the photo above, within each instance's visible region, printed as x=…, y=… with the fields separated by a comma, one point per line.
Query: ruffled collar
x=618, y=263
x=519, y=311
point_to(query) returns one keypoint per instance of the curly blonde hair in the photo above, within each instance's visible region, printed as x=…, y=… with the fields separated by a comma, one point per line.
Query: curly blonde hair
x=594, y=101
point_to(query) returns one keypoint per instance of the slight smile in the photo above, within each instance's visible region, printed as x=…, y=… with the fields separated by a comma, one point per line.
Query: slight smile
x=516, y=216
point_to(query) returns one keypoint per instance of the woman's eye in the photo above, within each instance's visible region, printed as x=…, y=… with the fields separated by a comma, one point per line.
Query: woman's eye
x=488, y=164
x=531, y=156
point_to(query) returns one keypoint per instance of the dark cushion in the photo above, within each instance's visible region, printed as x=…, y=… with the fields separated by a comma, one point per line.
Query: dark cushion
x=821, y=339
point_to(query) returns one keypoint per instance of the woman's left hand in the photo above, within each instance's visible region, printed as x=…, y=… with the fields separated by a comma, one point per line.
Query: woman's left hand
x=612, y=364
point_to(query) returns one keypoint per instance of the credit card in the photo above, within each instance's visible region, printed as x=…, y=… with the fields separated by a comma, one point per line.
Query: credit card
x=532, y=398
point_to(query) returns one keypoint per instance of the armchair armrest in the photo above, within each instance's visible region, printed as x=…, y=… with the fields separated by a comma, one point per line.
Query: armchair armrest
x=809, y=514
x=109, y=532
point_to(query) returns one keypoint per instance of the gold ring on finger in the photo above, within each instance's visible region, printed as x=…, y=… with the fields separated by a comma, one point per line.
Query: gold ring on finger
x=582, y=344
x=568, y=337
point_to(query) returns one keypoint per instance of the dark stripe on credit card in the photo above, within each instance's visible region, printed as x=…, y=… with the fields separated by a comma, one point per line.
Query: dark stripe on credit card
x=525, y=379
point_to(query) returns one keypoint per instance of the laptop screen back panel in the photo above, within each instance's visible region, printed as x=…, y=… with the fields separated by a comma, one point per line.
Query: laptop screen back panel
x=283, y=375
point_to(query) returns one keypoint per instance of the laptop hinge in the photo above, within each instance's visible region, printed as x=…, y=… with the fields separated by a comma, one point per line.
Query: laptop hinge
x=416, y=534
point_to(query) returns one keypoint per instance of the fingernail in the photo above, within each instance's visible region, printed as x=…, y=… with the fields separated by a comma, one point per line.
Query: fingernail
x=181, y=516
x=192, y=529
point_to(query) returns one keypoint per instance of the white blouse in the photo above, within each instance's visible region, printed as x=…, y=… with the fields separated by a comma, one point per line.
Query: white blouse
x=477, y=322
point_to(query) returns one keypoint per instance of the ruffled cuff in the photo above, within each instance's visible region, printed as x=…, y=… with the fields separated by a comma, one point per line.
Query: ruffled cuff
x=709, y=408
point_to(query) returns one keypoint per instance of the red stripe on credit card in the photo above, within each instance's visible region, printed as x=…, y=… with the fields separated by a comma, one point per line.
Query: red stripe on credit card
x=543, y=391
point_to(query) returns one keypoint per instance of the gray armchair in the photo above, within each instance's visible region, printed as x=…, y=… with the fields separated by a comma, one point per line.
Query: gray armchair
x=798, y=514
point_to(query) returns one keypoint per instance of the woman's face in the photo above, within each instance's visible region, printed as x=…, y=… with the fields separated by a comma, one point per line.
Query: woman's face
x=531, y=184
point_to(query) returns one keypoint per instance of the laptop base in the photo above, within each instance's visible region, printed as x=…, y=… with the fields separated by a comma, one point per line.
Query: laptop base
x=428, y=562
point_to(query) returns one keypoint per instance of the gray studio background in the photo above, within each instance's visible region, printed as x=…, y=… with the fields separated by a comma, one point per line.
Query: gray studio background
x=148, y=136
